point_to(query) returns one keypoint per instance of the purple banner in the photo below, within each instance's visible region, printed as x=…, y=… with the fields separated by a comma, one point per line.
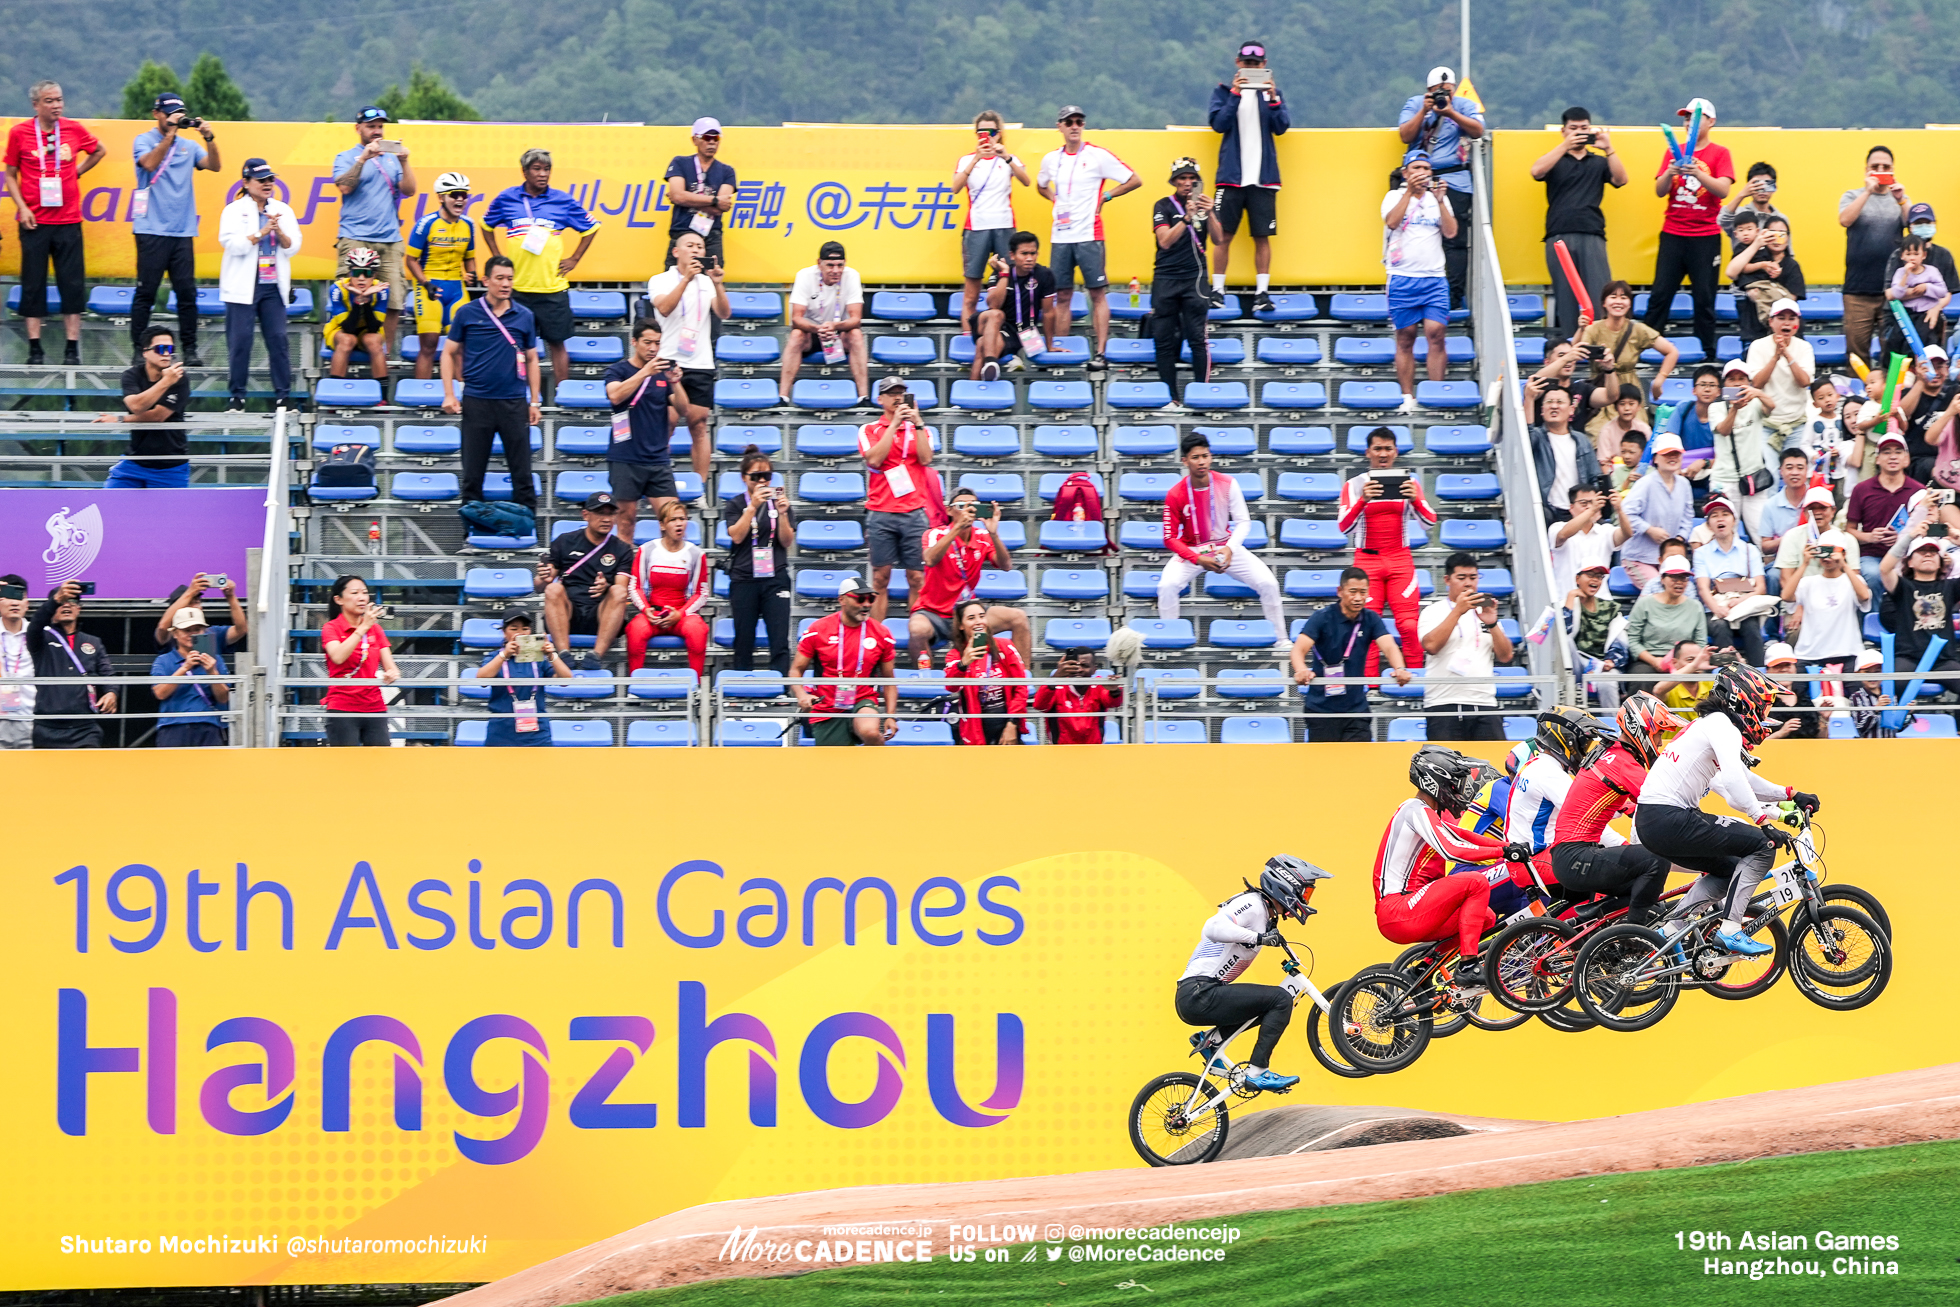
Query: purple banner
x=134, y=544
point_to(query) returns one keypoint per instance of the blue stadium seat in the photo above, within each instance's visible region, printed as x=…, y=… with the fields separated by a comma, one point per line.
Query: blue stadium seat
x=346, y=392
x=498, y=583
x=687, y=487
x=1253, y=486
x=1456, y=442
x=1073, y=537
x=1306, y=442
x=755, y=306
x=1256, y=728
x=983, y=396
x=1311, y=583
x=1073, y=585
x=108, y=301
x=302, y=305
x=573, y=487
x=327, y=435
x=830, y=487
x=1146, y=535
x=209, y=304
x=821, y=582
x=1120, y=307
x=821, y=393
x=583, y=685
x=1288, y=351
x=1493, y=581
x=960, y=350
x=922, y=731
x=1137, y=394
x=1068, y=351
x=1408, y=730
x=1358, y=308
x=1677, y=390
x=752, y=350
x=1477, y=534
x=826, y=534
x=1680, y=309
x=572, y=442
x=662, y=684
x=1051, y=484
x=1292, y=307
x=1014, y=533
x=430, y=440
x=1467, y=487
x=1457, y=349
x=1728, y=349
x=1142, y=583
x=1175, y=730
x=1061, y=395
x=1364, y=351
x=1166, y=633
x=340, y=494
x=481, y=633
x=1724, y=310
x=426, y=487
x=1370, y=394
x=1620, y=585
x=1520, y=728
x=1293, y=394
x=760, y=684
x=1930, y=726
x=904, y=351
x=1241, y=633
x=918, y=684
x=924, y=393
x=1448, y=394
x=1517, y=691
x=54, y=299
x=902, y=306
x=1357, y=438
x=1528, y=349
x=1318, y=534
x=751, y=733
x=1226, y=352
x=746, y=393
x=1823, y=306
x=1526, y=308
x=1145, y=487
x=594, y=349
x=998, y=587
x=1076, y=632
x=1210, y=395
x=815, y=441
x=1251, y=683
x=1166, y=679
x=1123, y=351
x=1230, y=442
x=1830, y=350
x=722, y=633
x=1226, y=311
x=599, y=305
x=675, y=733
x=1054, y=440
x=1690, y=350
x=1004, y=487
x=1311, y=487
x=1144, y=442
x=470, y=734
x=729, y=438
x=422, y=392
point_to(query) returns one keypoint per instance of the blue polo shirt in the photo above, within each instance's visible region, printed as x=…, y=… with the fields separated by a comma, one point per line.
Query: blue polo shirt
x=369, y=213
x=489, y=361
x=1340, y=648
x=1441, y=138
x=1740, y=561
x=173, y=204
x=193, y=702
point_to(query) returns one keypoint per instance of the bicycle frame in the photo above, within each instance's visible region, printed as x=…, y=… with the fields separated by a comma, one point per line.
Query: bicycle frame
x=1299, y=984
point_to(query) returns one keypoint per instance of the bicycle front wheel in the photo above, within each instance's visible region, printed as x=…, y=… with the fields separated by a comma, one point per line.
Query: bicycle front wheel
x=1322, y=1043
x=1175, y=1122
x=1378, y=1022
x=1529, y=966
x=1842, y=960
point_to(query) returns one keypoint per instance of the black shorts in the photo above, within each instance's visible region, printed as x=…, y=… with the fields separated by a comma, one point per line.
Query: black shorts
x=1260, y=203
x=941, y=623
x=585, y=613
x=1323, y=728
x=553, y=312
x=699, y=385
x=632, y=482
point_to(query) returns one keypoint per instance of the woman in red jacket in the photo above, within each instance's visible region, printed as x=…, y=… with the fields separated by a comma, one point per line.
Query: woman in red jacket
x=990, y=713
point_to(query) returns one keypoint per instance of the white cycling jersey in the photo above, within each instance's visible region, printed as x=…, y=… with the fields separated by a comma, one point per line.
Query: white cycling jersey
x=1230, y=940
x=1707, y=757
x=1538, y=791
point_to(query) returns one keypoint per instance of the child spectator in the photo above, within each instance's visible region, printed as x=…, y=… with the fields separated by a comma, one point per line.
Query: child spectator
x=1865, y=698
x=519, y=710
x=1923, y=291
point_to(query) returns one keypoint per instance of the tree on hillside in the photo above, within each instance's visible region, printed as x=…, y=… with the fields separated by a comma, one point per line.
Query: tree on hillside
x=142, y=90
x=428, y=98
x=212, y=93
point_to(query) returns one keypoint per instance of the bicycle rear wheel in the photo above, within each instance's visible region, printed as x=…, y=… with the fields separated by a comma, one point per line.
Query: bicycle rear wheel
x=1746, y=977
x=1617, y=982
x=1390, y=1022
x=1842, y=960
x=1529, y=966
x=1323, y=1045
x=1851, y=896
x=1412, y=963
x=1161, y=1128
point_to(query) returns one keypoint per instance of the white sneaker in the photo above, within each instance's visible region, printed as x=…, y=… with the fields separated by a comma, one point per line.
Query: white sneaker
x=1016, y=364
x=1408, y=404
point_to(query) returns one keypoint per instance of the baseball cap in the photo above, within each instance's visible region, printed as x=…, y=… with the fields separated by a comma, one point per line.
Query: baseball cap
x=1688, y=110
x=517, y=618
x=1676, y=565
x=1715, y=502
x=256, y=170
x=1921, y=212
x=1870, y=658
x=1924, y=542
x=1934, y=351
x=1819, y=495
x=830, y=250
x=1596, y=567
x=1439, y=74
x=371, y=113
x=1735, y=365
x=890, y=384
x=187, y=618
x=1839, y=540
x=1253, y=50
x=1779, y=652
x=705, y=127
x=1071, y=111
x=1892, y=438
x=1785, y=305
x=169, y=100
x=854, y=585
x=1667, y=440
x=600, y=501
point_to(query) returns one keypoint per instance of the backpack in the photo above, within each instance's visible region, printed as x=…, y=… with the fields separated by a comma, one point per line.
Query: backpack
x=500, y=518
x=1078, y=500
x=347, y=465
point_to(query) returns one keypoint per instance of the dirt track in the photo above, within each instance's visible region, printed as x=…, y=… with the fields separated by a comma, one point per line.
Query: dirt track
x=1907, y=1107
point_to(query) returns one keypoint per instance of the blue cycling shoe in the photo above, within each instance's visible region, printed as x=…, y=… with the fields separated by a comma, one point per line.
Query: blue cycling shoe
x=1270, y=1080
x=1737, y=942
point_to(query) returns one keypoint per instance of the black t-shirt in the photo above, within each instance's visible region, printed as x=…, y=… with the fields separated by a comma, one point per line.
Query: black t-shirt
x=1923, y=413
x=1025, y=297
x=1178, y=261
x=1917, y=611
x=151, y=446
x=741, y=556
x=647, y=421
x=607, y=560
x=1803, y=711
x=711, y=179
x=1572, y=191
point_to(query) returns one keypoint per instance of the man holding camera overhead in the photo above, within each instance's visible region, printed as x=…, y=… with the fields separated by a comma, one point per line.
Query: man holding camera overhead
x=897, y=449
x=163, y=213
x=374, y=178
x=1248, y=114
x=1576, y=173
x=1439, y=124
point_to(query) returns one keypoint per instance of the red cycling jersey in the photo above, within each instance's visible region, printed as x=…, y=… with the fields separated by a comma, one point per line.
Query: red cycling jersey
x=1383, y=522
x=1419, y=846
x=1609, y=788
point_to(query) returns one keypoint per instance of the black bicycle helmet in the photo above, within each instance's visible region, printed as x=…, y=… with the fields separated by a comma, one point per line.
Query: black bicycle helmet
x=1288, y=881
x=1569, y=735
x=1442, y=775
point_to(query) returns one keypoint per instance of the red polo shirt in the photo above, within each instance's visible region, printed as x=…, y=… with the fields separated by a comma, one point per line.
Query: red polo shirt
x=33, y=151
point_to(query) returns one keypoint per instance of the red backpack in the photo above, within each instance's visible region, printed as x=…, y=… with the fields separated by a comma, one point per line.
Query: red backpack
x=1078, y=500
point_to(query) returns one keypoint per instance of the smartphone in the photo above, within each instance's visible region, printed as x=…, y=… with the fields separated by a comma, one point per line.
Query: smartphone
x=13, y=592
x=216, y=581
x=391, y=147
x=85, y=587
x=1262, y=78
x=1936, y=530
x=1883, y=178
x=205, y=644
x=380, y=612
x=530, y=648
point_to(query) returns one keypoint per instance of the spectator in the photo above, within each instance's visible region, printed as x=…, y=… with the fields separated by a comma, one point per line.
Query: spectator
x=1920, y=223
x=359, y=307
x=1624, y=424
x=1691, y=239
x=896, y=450
x=1376, y=509
x=1461, y=641
x=1751, y=200
x=1933, y=391
x=163, y=217
x=1626, y=467
x=1783, y=509
x=1765, y=269
x=668, y=584
x=1205, y=526
x=1793, y=548
x=190, y=704
x=760, y=525
x=1248, y=168
x=1330, y=656
x=1728, y=572
x=1795, y=714
x=849, y=645
x=1439, y=124
x=1015, y=319
x=956, y=557
x=46, y=157
x=1575, y=179
x=1827, y=436
x=1077, y=700
x=373, y=178
x=987, y=713
x=987, y=175
x=1872, y=215
x=1741, y=474
x=493, y=350
x=155, y=390
x=1673, y=546
x=518, y=711
x=1688, y=667
x=1659, y=620
x=61, y=649
x=586, y=575
x=16, y=666
x=531, y=216
x=1865, y=698
x=1614, y=344
x=1072, y=179
x=440, y=264
x=1589, y=536
x=648, y=406
x=1923, y=291
x=357, y=649
x=1657, y=508
x=1179, y=305
x=1591, y=619
x=1562, y=457
x=1828, y=605
x=259, y=236
x=685, y=298
x=191, y=596
x=826, y=311
x=1878, y=508
x=701, y=189
x=1921, y=602
x=1419, y=218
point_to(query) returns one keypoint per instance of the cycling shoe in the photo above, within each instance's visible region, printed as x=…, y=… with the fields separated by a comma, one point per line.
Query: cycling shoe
x=1270, y=1080
x=1737, y=942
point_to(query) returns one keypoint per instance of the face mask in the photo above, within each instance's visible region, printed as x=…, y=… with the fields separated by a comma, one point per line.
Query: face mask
x=1922, y=229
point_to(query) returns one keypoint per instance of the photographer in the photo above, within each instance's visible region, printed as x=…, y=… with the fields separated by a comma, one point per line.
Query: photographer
x=520, y=709
x=1920, y=602
x=191, y=596
x=357, y=649
x=163, y=215
x=896, y=450
x=1575, y=179
x=988, y=713
x=1078, y=698
x=1248, y=114
x=1828, y=607
x=826, y=311
x=46, y=156
x=1420, y=219
x=684, y=298
x=1462, y=641
x=987, y=175
x=155, y=390
x=63, y=650
x=1183, y=224
x=1438, y=125
x=1751, y=200
x=1014, y=317
x=1742, y=476
x=1376, y=514
x=1933, y=393
x=956, y=558
x=373, y=178
x=1691, y=239
x=1589, y=537
x=760, y=526
x=1872, y=215
x=183, y=694
x=16, y=666
x=1613, y=346
x=258, y=234
x=1331, y=655
x=648, y=406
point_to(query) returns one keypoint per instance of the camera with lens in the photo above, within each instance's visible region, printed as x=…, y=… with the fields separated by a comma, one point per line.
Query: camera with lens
x=183, y=120
x=1942, y=497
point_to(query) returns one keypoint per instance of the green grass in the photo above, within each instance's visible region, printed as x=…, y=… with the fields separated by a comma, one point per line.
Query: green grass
x=1607, y=1240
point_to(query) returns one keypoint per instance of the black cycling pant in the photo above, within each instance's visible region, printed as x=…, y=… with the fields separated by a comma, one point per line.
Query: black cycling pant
x=1624, y=870
x=1718, y=847
x=1202, y=1001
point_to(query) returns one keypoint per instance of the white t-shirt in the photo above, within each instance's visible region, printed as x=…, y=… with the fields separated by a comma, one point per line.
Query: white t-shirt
x=830, y=301
x=1251, y=140
x=1467, y=653
x=990, y=192
x=1414, y=249
x=1792, y=400
x=16, y=664
x=1565, y=470
x=1582, y=549
x=691, y=313
x=1830, y=618
x=1077, y=180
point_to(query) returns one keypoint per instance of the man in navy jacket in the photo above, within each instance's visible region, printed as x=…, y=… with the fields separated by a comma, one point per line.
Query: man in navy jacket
x=1248, y=167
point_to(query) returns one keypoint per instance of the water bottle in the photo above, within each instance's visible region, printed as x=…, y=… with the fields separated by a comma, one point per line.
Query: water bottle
x=1136, y=293
x=374, y=546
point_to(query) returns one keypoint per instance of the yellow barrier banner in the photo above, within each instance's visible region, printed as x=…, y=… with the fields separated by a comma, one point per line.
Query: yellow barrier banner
x=425, y=1015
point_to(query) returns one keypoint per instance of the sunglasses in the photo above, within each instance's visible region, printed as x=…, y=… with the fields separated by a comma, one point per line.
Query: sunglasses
x=988, y=131
x=760, y=476
x=862, y=596
x=165, y=350
x=1074, y=122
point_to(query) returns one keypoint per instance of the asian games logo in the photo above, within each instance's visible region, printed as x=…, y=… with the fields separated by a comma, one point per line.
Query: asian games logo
x=74, y=539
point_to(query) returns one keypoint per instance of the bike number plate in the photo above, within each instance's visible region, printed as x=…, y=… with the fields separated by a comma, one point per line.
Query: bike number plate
x=1785, y=890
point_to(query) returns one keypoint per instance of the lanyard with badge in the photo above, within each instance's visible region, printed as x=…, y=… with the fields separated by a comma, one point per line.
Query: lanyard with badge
x=537, y=231
x=523, y=706
x=268, y=245
x=699, y=221
x=509, y=339
x=1191, y=230
x=689, y=334
x=1064, y=210
x=566, y=575
x=1330, y=682
x=16, y=664
x=50, y=172
x=846, y=695
x=897, y=479
x=622, y=421
x=139, y=200
x=68, y=647
x=762, y=543
x=1025, y=301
